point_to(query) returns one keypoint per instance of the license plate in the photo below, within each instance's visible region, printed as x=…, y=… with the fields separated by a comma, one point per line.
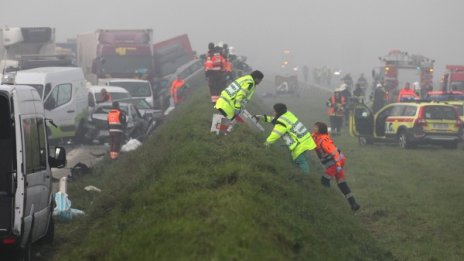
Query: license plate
x=440, y=126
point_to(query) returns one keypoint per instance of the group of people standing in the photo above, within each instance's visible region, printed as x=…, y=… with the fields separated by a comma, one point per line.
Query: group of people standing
x=299, y=140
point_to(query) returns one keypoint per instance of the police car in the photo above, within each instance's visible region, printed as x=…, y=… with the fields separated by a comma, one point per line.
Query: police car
x=408, y=124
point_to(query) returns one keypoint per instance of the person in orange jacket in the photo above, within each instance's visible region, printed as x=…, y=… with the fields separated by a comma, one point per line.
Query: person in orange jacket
x=178, y=88
x=116, y=126
x=334, y=162
x=336, y=110
x=407, y=93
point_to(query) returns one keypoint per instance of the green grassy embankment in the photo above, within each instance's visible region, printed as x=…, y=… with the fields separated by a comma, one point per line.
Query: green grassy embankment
x=189, y=195
x=411, y=199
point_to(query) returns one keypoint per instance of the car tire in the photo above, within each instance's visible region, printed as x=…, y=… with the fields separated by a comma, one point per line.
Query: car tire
x=403, y=140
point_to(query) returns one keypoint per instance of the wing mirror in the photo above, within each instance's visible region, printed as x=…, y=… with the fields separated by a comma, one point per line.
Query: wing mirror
x=59, y=159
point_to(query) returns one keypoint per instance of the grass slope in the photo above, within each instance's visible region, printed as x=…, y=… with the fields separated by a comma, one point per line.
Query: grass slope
x=189, y=195
x=411, y=199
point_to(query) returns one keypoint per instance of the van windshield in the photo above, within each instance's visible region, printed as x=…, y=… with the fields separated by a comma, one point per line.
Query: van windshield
x=136, y=89
x=114, y=96
x=39, y=88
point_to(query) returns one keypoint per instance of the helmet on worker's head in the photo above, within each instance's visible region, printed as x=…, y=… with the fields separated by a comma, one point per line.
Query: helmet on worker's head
x=232, y=50
x=341, y=88
x=220, y=44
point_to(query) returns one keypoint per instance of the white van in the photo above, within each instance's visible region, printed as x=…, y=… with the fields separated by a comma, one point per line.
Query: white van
x=25, y=175
x=64, y=94
x=137, y=88
x=117, y=93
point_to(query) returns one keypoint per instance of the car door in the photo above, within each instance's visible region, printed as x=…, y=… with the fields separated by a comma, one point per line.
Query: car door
x=36, y=174
x=361, y=121
x=7, y=165
x=140, y=125
x=59, y=107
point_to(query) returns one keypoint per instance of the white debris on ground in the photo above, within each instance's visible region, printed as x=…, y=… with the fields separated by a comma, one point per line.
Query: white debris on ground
x=131, y=145
x=92, y=188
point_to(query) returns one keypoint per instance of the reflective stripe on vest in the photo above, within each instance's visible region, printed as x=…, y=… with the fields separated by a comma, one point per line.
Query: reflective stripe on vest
x=328, y=160
x=241, y=84
x=296, y=131
x=114, y=120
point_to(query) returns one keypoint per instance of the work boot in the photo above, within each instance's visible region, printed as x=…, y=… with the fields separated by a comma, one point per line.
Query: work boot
x=354, y=206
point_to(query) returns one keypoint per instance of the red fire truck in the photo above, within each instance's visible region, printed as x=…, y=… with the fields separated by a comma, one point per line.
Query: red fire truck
x=453, y=79
x=401, y=68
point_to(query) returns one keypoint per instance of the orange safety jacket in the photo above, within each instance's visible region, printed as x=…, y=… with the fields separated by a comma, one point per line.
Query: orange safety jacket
x=208, y=64
x=406, y=93
x=336, y=107
x=218, y=62
x=175, y=87
x=228, y=66
x=116, y=119
x=326, y=150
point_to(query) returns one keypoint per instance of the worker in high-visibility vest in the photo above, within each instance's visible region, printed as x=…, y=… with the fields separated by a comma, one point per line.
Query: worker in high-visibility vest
x=337, y=109
x=178, y=89
x=407, y=94
x=293, y=132
x=235, y=97
x=333, y=161
x=116, y=125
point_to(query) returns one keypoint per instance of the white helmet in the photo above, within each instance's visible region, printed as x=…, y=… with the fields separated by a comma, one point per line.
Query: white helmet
x=232, y=50
x=341, y=88
x=220, y=44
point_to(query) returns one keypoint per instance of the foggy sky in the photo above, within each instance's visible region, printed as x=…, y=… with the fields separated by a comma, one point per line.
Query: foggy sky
x=344, y=34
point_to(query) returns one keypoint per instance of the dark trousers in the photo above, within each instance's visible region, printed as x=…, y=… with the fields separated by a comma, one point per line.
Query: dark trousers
x=116, y=141
x=216, y=82
x=336, y=123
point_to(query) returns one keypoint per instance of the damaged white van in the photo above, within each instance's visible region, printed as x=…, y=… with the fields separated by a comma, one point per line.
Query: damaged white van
x=64, y=94
x=25, y=176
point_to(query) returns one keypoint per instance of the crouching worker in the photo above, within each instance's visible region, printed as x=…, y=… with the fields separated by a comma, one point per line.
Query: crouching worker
x=236, y=96
x=334, y=162
x=293, y=132
x=116, y=124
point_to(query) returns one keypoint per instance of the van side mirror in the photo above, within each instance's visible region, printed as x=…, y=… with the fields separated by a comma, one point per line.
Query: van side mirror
x=59, y=159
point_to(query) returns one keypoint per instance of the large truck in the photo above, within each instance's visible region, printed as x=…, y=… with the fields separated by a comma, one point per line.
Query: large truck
x=453, y=79
x=17, y=42
x=168, y=55
x=400, y=68
x=116, y=54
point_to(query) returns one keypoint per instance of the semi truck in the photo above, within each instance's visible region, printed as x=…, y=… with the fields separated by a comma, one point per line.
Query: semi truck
x=116, y=54
x=401, y=67
x=453, y=79
x=168, y=55
x=17, y=42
